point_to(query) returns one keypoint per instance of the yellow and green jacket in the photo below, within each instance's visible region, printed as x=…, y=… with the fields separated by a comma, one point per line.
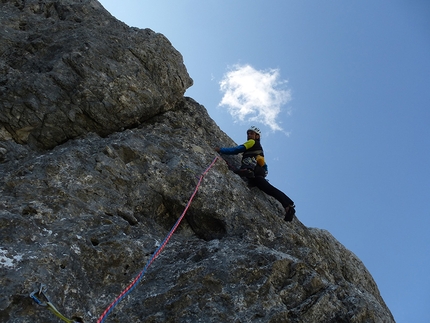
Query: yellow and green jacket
x=250, y=149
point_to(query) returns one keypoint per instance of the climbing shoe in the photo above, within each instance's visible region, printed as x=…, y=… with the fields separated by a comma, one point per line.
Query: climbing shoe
x=289, y=213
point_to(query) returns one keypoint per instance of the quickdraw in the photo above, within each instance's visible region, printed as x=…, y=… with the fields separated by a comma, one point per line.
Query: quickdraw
x=47, y=303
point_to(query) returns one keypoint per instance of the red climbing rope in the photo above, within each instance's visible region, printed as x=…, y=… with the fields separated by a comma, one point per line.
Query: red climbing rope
x=157, y=252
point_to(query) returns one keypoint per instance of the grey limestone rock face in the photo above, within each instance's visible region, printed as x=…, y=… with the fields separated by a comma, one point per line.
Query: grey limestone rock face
x=69, y=67
x=99, y=156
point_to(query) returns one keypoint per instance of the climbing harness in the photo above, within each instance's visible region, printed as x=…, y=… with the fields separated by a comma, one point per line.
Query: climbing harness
x=47, y=303
x=157, y=252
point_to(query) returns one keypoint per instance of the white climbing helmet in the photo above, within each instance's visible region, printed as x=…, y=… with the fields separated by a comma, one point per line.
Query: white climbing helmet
x=255, y=129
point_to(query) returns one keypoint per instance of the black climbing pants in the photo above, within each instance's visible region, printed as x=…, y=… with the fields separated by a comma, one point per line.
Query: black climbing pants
x=269, y=189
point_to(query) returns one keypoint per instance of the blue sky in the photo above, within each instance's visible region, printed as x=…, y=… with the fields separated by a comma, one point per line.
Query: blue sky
x=341, y=91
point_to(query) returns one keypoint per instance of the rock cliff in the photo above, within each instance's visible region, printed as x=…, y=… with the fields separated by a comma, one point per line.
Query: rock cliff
x=99, y=154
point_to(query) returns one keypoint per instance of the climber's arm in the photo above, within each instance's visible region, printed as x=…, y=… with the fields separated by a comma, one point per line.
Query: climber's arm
x=232, y=150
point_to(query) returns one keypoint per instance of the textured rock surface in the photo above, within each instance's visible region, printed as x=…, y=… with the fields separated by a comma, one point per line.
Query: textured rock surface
x=69, y=67
x=84, y=215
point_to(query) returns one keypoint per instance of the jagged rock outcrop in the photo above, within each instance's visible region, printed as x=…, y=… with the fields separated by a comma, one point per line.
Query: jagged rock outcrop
x=69, y=67
x=86, y=200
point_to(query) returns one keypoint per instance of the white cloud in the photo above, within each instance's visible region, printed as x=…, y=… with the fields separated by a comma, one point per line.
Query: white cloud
x=254, y=96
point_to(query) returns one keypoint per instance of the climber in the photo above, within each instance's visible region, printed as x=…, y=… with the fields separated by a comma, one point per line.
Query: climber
x=254, y=168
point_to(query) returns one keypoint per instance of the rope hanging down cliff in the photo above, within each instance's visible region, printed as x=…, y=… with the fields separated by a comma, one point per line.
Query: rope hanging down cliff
x=157, y=252
x=138, y=278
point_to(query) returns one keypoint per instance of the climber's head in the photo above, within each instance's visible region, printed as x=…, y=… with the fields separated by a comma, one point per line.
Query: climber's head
x=253, y=133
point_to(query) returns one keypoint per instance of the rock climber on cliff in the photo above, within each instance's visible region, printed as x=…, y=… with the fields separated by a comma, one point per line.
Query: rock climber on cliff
x=254, y=168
